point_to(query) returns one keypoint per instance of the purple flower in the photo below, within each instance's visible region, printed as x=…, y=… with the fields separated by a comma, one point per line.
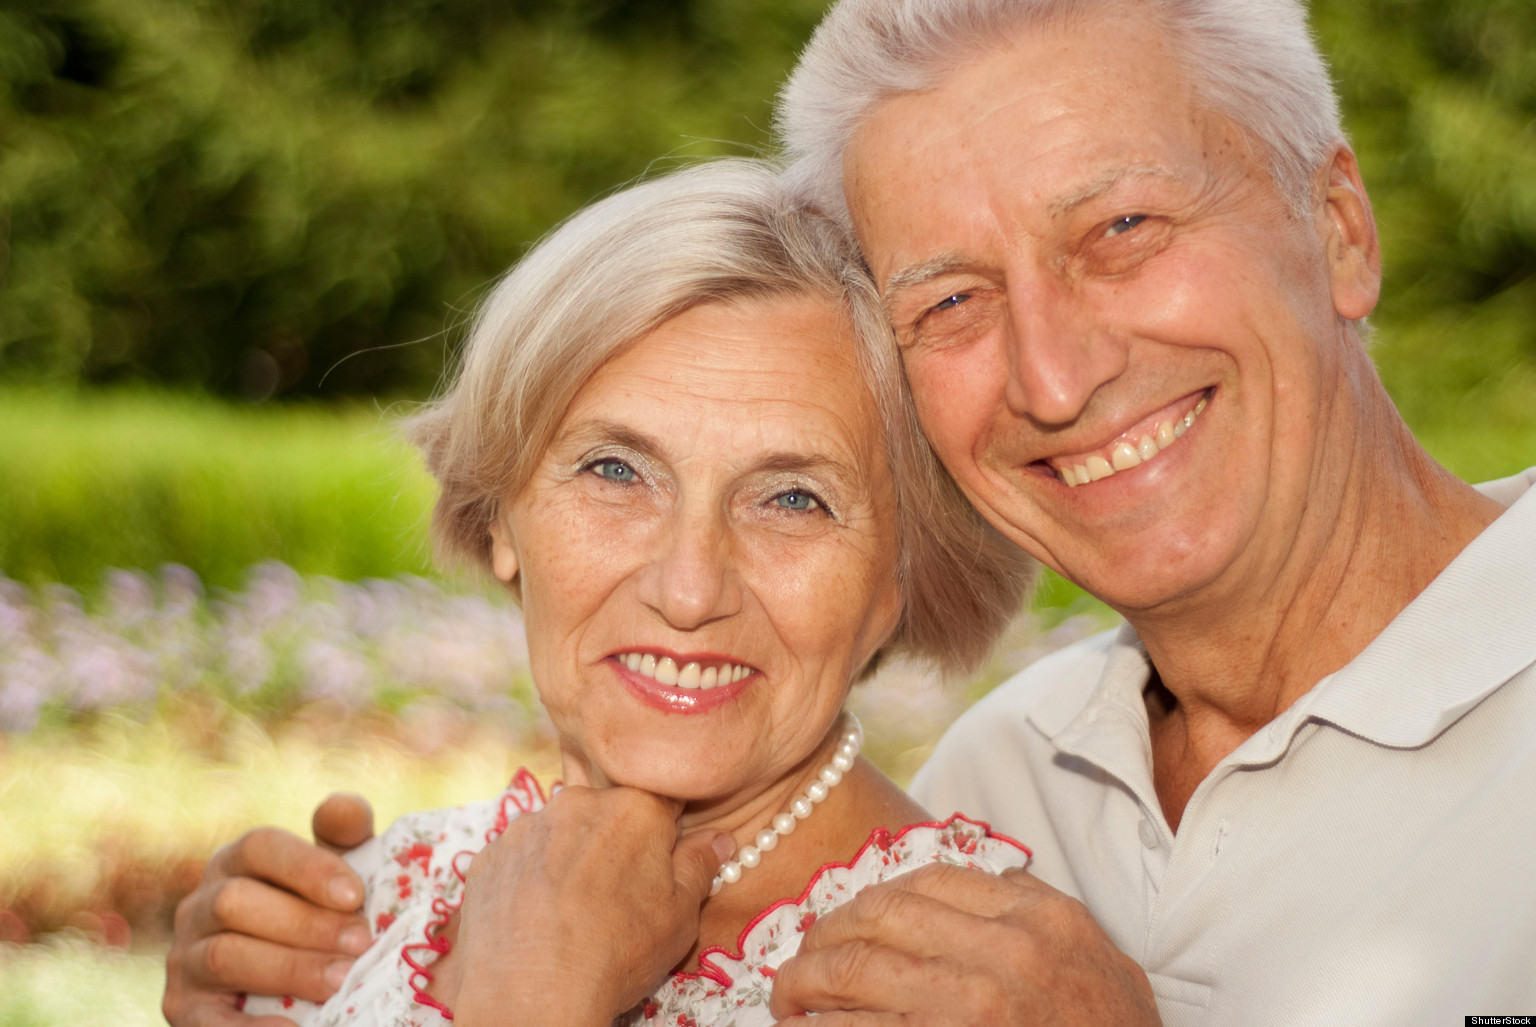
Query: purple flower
x=28, y=682
x=335, y=673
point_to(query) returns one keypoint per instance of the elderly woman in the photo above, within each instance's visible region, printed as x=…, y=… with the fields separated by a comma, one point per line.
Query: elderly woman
x=679, y=437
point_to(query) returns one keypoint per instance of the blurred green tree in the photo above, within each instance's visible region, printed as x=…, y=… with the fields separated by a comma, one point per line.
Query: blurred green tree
x=1440, y=100
x=264, y=197
x=290, y=196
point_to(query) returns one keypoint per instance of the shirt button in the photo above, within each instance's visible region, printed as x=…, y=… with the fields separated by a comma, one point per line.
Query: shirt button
x=1148, y=834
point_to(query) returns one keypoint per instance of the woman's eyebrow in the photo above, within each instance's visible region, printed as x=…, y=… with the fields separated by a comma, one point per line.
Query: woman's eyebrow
x=807, y=463
x=601, y=432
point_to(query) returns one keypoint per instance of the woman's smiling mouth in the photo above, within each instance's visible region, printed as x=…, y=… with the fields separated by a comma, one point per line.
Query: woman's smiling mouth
x=695, y=686
x=692, y=674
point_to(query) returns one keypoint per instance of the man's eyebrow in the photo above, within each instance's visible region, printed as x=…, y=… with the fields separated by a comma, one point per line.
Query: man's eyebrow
x=919, y=274
x=948, y=263
x=1106, y=181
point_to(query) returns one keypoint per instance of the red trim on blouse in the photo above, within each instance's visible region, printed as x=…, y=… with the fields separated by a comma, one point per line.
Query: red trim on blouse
x=878, y=836
x=525, y=793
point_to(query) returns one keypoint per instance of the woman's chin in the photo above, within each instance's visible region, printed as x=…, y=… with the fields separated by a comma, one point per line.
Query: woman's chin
x=684, y=787
x=691, y=777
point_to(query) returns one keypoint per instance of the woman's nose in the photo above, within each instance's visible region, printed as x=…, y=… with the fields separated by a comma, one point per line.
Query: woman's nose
x=692, y=578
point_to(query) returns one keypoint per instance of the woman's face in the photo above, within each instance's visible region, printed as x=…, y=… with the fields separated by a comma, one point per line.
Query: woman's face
x=715, y=510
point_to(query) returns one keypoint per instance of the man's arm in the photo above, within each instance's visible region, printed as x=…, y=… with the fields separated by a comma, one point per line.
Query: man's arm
x=952, y=945
x=273, y=915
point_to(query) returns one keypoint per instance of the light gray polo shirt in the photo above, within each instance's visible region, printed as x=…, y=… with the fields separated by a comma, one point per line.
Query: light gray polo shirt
x=1368, y=858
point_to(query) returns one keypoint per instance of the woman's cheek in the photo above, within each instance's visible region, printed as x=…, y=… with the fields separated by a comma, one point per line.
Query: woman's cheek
x=577, y=556
x=817, y=591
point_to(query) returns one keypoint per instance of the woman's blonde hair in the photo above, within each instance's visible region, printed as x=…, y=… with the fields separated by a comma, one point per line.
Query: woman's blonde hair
x=716, y=232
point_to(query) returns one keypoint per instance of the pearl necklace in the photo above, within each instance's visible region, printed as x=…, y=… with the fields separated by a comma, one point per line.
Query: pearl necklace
x=827, y=778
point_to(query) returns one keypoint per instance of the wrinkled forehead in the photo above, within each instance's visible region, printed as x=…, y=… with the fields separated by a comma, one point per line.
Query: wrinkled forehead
x=1037, y=125
x=745, y=361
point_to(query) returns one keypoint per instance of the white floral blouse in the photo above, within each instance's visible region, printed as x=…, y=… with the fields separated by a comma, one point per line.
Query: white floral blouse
x=415, y=878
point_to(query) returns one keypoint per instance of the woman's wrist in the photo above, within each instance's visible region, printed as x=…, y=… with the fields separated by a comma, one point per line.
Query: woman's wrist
x=556, y=1005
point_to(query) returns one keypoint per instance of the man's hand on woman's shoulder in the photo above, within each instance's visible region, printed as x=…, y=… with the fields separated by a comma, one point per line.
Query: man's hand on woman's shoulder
x=952, y=945
x=273, y=915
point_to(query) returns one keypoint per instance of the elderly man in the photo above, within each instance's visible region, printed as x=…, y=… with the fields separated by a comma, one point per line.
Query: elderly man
x=1127, y=255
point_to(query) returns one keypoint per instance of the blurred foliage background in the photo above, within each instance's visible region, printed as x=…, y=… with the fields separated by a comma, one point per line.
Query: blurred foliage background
x=1440, y=102
x=297, y=197
x=284, y=203
x=291, y=198
x=236, y=234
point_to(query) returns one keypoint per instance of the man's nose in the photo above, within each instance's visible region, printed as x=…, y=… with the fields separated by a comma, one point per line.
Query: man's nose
x=1058, y=353
x=692, y=578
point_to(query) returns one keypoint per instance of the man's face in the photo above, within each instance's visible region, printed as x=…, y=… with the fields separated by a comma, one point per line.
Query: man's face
x=1125, y=349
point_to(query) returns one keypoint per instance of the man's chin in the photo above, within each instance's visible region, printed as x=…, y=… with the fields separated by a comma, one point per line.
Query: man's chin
x=1144, y=579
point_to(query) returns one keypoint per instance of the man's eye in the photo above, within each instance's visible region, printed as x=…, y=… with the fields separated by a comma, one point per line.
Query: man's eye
x=796, y=500
x=614, y=470
x=950, y=302
x=1125, y=224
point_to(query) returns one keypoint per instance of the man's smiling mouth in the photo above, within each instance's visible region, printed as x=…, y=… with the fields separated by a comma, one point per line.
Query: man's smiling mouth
x=1145, y=442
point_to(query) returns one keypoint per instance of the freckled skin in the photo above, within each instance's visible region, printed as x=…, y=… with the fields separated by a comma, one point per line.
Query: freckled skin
x=710, y=421
x=1067, y=244
x=719, y=490
x=1077, y=324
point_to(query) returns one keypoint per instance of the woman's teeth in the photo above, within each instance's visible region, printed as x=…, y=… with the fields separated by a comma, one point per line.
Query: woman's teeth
x=1128, y=453
x=690, y=675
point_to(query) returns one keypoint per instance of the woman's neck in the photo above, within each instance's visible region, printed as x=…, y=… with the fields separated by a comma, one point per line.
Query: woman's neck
x=865, y=800
x=745, y=816
x=838, y=825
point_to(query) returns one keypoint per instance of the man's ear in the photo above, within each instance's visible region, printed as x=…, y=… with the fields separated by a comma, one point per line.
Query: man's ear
x=1349, y=234
x=504, y=561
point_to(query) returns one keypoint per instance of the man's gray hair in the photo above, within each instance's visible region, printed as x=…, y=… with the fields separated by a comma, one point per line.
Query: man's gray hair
x=1253, y=61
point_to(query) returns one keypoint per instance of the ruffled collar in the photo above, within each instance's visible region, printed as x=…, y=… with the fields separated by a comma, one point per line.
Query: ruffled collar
x=735, y=980
x=730, y=981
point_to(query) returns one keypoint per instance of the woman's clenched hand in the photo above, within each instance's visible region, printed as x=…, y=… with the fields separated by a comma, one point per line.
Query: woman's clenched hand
x=576, y=912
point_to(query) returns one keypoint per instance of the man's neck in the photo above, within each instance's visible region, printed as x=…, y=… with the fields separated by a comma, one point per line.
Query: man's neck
x=1380, y=525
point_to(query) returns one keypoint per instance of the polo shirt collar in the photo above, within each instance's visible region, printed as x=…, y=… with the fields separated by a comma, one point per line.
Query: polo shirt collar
x=1472, y=629
x=1106, y=725
x=1469, y=631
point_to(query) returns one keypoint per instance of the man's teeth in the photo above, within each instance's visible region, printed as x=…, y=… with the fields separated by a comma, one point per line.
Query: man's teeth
x=689, y=675
x=1128, y=453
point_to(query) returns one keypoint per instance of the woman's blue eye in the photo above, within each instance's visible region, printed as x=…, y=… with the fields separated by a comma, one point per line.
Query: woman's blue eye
x=1125, y=224
x=949, y=302
x=615, y=470
x=796, y=501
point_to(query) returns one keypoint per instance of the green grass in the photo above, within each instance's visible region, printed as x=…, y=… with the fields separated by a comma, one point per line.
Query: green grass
x=69, y=982
x=95, y=480
x=99, y=480
x=99, y=809
x=1473, y=408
